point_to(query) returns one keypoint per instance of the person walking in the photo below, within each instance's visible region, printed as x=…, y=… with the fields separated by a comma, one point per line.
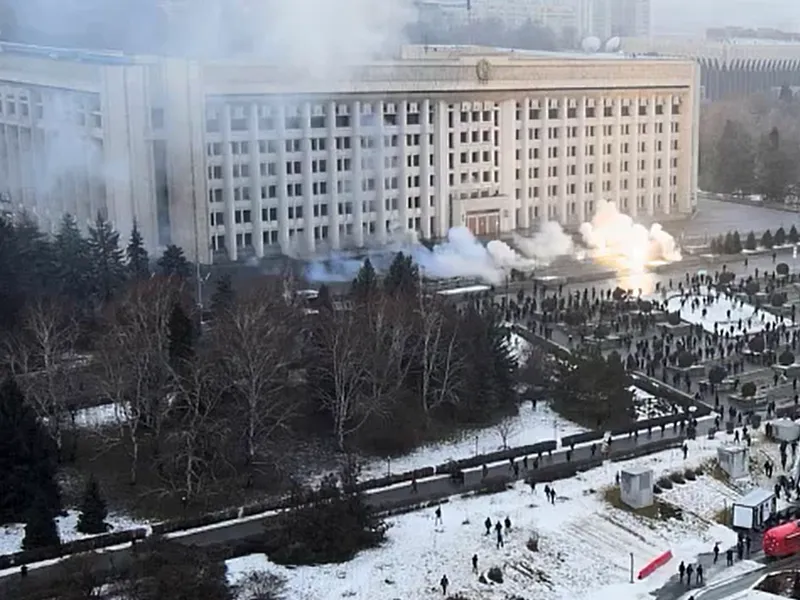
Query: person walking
x=438, y=514
x=699, y=574
x=689, y=571
x=729, y=556
x=474, y=563
x=681, y=571
x=500, y=543
x=507, y=523
x=444, y=582
x=488, y=524
x=685, y=450
x=716, y=552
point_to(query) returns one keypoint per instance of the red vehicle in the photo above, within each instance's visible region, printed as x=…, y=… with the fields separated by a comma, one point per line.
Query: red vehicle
x=782, y=540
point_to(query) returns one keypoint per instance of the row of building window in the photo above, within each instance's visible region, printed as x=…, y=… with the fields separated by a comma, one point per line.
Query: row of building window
x=244, y=240
x=240, y=121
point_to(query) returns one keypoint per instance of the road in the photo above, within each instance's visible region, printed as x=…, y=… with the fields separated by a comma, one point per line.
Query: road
x=392, y=497
x=736, y=585
x=716, y=217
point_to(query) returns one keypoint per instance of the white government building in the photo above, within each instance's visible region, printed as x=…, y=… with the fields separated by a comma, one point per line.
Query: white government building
x=239, y=159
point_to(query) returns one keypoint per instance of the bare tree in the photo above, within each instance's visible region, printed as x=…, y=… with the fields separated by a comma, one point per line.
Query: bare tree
x=42, y=355
x=388, y=339
x=200, y=428
x=339, y=370
x=440, y=363
x=255, y=338
x=134, y=365
x=505, y=429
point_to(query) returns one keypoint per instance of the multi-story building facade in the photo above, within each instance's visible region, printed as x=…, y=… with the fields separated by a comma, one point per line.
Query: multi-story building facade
x=232, y=160
x=729, y=67
x=607, y=18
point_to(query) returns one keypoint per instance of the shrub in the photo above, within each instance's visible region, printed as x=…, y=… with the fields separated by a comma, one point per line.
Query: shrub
x=793, y=236
x=749, y=389
x=656, y=489
x=333, y=525
x=674, y=318
x=665, y=483
x=750, y=243
x=717, y=374
x=549, y=304
x=699, y=471
x=677, y=477
x=778, y=299
x=780, y=236
x=689, y=474
x=757, y=344
x=786, y=358
x=645, y=306
x=726, y=277
x=619, y=294
x=601, y=332
x=533, y=543
x=752, y=287
x=685, y=360
x=766, y=239
x=494, y=485
x=782, y=269
x=495, y=574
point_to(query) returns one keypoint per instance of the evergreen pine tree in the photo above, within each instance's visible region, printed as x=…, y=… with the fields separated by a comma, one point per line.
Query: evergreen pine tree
x=174, y=263
x=41, y=530
x=73, y=265
x=107, y=259
x=138, y=260
x=92, y=518
x=181, y=337
x=727, y=244
x=780, y=236
x=366, y=282
x=27, y=458
x=793, y=236
x=223, y=297
x=736, y=243
x=750, y=243
x=403, y=276
x=766, y=239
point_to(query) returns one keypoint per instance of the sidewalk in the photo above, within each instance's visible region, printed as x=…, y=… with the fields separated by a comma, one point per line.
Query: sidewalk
x=674, y=589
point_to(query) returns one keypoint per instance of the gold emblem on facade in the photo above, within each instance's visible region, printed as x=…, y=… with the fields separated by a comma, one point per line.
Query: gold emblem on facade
x=483, y=70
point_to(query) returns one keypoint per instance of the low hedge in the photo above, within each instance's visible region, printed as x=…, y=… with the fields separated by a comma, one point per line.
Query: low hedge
x=580, y=438
x=499, y=456
x=75, y=547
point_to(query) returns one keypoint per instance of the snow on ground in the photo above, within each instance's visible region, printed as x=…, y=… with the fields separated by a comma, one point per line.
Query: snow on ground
x=706, y=496
x=717, y=312
x=585, y=545
x=11, y=536
x=519, y=346
x=98, y=416
x=531, y=425
x=648, y=406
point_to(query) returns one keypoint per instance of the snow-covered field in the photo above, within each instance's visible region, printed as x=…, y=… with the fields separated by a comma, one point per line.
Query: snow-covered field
x=11, y=536
x=531, y=425
x=584, y=544
x=717, y=312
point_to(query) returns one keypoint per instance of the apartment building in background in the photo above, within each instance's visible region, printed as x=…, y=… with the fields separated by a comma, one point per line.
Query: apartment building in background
x=729, y=67
x=233, y=160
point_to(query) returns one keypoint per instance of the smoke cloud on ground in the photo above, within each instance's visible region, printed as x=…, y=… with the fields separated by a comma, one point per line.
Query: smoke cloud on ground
x=612, y=233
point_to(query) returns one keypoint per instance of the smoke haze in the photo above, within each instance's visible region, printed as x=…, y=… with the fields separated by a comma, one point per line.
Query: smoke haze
x=614, y=233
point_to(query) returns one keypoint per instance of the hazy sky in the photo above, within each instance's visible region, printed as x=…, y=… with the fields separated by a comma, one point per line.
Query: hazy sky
x=690, y=16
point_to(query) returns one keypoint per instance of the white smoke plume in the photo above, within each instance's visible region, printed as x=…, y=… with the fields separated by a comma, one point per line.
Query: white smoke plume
x=613, y=233
x=461, y=255
x=546, y=245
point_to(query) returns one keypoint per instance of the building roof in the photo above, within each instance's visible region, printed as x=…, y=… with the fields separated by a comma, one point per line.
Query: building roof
x=756, y=497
